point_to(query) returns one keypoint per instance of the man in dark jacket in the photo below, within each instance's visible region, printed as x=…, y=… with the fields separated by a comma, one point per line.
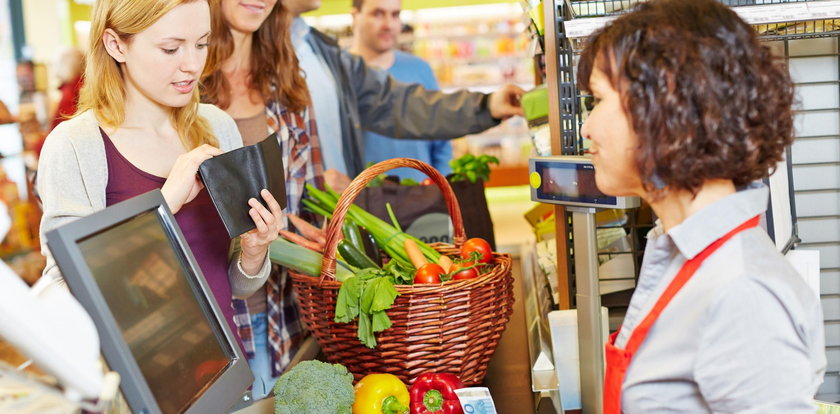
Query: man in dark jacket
x=350, y=97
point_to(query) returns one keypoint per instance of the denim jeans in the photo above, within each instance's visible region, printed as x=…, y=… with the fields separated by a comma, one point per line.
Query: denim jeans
x=261, y=363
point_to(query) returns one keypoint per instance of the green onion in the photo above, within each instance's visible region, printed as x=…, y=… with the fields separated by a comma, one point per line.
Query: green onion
x=302, y=260
x=388, y=237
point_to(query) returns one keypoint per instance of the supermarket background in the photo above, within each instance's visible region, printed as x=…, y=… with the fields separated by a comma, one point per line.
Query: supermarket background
x=478, y=44
x=475, y=44
x=465, y=45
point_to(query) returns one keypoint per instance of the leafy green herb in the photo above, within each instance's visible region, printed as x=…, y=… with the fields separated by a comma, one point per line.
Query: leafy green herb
x=469, y=167
x=367, y=296
x=347, y=304
x=381, y=321
x=401, y=273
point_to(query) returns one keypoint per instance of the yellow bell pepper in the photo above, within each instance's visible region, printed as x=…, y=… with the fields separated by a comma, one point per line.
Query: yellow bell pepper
x=381, y=394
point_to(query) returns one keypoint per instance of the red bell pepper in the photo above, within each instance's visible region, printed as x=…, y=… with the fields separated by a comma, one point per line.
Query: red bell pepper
x=434, y=393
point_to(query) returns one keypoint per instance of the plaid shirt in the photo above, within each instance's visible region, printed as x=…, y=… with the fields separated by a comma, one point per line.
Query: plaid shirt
x=298, y=138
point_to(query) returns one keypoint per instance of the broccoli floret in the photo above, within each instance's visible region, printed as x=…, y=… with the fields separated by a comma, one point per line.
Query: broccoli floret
x=314, y=387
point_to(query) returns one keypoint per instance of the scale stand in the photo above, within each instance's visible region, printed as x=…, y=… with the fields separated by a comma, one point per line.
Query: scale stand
x=570, y=181
x=588, y=304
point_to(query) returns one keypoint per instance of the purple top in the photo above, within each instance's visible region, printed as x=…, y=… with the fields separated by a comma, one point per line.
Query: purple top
x=200, y=223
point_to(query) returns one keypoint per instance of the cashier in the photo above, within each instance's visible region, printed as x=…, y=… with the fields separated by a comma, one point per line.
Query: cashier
x=691, y=112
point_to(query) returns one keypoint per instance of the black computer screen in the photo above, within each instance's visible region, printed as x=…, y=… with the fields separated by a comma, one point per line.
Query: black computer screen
x=571, y=182
x=154, y=305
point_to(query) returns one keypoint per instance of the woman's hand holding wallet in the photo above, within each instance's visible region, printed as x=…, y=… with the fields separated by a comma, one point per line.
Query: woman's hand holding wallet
x=183, y=183
x=255, y=243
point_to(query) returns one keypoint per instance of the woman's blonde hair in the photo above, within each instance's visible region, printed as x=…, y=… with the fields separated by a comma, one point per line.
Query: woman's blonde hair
x=104, y=87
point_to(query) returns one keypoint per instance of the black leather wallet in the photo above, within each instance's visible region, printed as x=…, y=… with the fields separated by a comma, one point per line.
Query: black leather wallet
x=236, y=176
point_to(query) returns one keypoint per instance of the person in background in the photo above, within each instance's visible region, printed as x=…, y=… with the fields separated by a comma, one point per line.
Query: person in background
x=254, y=76
x=349, y=97
x=69, y=69
x=691, y=113
x=140, y=127
x=376, y=26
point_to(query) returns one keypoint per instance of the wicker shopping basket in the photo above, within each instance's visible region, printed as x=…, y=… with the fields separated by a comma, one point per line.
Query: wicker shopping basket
x=448, y=327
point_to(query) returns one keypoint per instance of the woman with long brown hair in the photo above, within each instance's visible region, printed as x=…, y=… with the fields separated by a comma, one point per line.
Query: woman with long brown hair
x=254, y=76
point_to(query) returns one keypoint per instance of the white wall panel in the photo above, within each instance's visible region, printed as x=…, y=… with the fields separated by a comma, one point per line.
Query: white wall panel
x=816, y=177
x=807, y=151
x=819, y=96
x=830, y=282
x=819, y=230
x=822, y=203
x=813, y=69
x=807, y=124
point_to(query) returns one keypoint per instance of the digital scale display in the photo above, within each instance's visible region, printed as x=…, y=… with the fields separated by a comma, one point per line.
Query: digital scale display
x=570, y=180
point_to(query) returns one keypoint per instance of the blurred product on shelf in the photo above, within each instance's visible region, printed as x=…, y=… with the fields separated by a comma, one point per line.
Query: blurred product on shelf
x=535, y=106
x=469, y=54
x=6, y=117
x=20, y=237
x=29, y=127
x=507, y=141
x=32, y=83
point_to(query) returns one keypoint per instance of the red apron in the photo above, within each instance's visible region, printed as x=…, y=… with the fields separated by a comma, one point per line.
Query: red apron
x=619, y=359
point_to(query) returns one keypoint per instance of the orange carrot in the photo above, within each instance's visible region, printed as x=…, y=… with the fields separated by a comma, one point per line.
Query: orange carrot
x=307, y=230
x=414, y=253
x=300, y=240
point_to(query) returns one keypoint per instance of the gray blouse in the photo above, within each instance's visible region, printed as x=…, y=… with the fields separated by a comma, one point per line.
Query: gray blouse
x=745, y=334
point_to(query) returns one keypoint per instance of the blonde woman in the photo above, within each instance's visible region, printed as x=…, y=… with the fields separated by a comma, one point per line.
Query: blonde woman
x=253, y=74
x=140, y=127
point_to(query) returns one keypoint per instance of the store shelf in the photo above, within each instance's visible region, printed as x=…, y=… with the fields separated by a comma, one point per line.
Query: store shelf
x=462, y=36
x=474, y=59
x=771, y=18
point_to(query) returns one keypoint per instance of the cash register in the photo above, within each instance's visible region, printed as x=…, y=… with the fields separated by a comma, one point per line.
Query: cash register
x=159, y=325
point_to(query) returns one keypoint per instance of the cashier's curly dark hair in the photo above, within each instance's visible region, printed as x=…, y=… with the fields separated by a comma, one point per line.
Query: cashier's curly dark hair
x=705, y=98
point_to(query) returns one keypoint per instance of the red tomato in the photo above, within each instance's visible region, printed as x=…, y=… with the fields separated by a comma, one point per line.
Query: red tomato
x=477, y=245
x=428, y=273
x=427, y=181
x=461, y=271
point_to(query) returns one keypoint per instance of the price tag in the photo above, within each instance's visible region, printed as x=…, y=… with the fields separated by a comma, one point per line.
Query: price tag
x=583, y=27
x=824, y=9
x=773, y=13
x=761, y=14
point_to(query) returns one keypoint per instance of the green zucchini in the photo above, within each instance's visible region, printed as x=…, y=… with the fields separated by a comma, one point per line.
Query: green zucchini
x=354, y=256
x=352, y=234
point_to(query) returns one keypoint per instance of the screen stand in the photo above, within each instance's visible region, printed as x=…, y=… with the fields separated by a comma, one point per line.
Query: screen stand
x=588, y=303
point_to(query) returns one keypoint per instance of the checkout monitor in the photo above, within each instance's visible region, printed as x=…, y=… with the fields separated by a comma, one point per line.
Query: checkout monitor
x=159, y=325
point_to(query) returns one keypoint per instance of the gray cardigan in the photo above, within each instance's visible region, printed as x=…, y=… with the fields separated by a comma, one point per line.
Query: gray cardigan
x=73, y=174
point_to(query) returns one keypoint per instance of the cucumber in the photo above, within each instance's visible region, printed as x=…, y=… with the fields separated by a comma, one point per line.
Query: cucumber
x=354, y=256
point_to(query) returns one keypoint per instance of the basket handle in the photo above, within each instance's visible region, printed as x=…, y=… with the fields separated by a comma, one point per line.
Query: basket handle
x=360, y=182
